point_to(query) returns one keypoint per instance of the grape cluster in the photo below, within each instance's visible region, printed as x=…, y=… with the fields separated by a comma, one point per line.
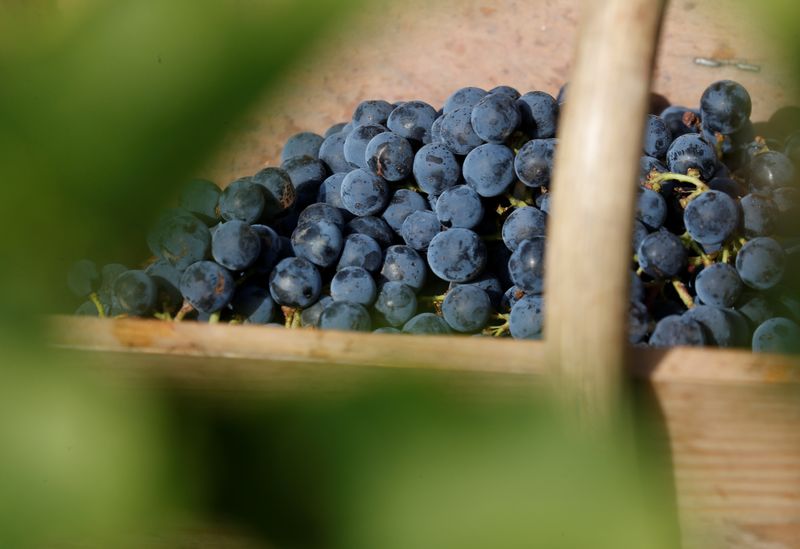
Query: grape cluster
x=417, y=220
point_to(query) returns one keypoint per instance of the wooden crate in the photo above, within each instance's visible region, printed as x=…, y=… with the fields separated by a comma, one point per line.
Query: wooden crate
x=733, y=418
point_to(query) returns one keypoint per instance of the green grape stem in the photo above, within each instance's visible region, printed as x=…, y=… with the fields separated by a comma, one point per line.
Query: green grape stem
x=95, y=299
x=683, y=293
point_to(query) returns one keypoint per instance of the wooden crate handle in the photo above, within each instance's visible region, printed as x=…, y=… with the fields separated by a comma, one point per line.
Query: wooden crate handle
x=587, y=271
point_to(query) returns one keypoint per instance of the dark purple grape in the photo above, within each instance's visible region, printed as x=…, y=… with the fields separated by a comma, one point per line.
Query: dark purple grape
x=718, y=285
x=309, y=317
x=200, y=198
x=526, y=265
x=727, y=186
x=180, y=238
x=510, y=297
x=777, y=335
x=495, y=117
x=353, y=284
x=647, y=164
x=457, y=133
x=675, y=118
x=295, y=282
x=320, y=242
x=489, y=284
x=725, y=106
x=413, y=120
x=761, y=263
x=675, y=330
x=372, y=111
x=168, y=285
x=651, y=209
x=404, y=202
x=435, y=169
x=759, y=215
x=692, y=151
x=318, y=211
x=757, y=308
x=136, y=293
x=543, y=202
x=419, y=228
x=466, y=308
x=360, y=250
x=661, y=254
x=253, y=304
x=771, y=170
x=396, y=303
x=465, y=97
x=88, y=308
x=719, y=325
x=279, y=192
x=331, y=153
x=436, y=129
x=207, y=286
x=711, y=217
x=364, y=193
x=426, y=324
x=271, y=248
x=389, y=156
x=307, y=174
x=657, y=137
x=637, y=288
x=505, y=90
x=527, y=317
x=301, y=144
x=460, y=207
x=539, y=114
x=534, y=162
x=235, y=245
x=404, y=264
x=456, y=255
x=639, y=232
x=523, y=224
x=345, y=316
x=355, y=145
x=489, y=169
x=336, y=128
x=83, y=278
x=242, y=200
x=371, y=226
x=638, y=322
x=330, y=192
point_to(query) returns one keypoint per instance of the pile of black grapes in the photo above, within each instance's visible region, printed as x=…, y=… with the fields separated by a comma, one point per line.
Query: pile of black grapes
x=408, y=219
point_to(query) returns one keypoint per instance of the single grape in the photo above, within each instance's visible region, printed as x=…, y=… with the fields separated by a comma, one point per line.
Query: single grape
x=638, y=322
x=404, y=202
x=459, y=206
x=318, y=211
x=404, y=264
x=506, y=90
x=271, y=249
x=543, y=202
x=661, y=254
x=466, y=308
x=330, y=192
x=207, y=286
x=456, y=255
x=510, y=297
x=526, y=265
x=676, y=118
x=200, y=198
x=360, y=250
x=426, y=324
x=523, y=224
x=719, y=325
x=307, y=175
x=674, y=330
x=771, y=170
x=109, y=274
x=657, y=137
x=727, y=186
x=242, y=200
x=319, y=241
x=457, y=133
x=83, y=278
x=364, y=193
x=436, y=129
x=344, y=315
x=718, y=285
x=711, y=217
x=301, y=144
x=336, y=128
x=136, y=293
x=180, y=238
x=353, y=284
x=436, y=169
x=757, y=308
x=777, y=335
x=396, y=303
x=725, y=106
x=389, y=156
x=539, y=114
x=374, y=227
x=639, y=232
x=759, y=215
x=527, y=317
x=465, y=97
x=413, y=120
x=295, y=282
x=419, y=228
x=309, y=317
x=372, y=111
x=168, y=286
x=279, y=191
x=651, y=209
x=331, y=153
x=534, y=162
x=253, y=304
x=761, y=263
x=692, y=151
x=355, y=145
x=489, y=169
x=235, y=245
x=495, y=117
